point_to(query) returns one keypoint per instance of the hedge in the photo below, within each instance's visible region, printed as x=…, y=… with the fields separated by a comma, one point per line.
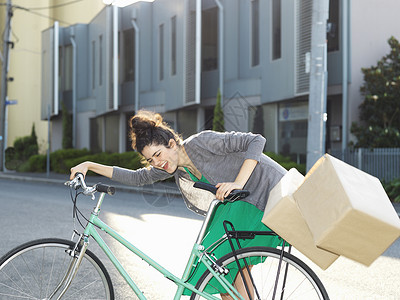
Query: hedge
x=61, y=161
x=286, y=162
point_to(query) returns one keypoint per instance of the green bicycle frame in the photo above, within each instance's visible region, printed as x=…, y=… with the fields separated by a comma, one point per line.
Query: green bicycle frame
x=90, y=231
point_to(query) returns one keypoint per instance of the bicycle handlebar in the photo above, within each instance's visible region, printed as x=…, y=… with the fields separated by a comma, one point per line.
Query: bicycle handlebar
x=79, y=182
x=234, y=195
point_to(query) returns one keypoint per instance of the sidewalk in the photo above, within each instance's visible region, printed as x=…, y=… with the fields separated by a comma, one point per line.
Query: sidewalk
x=162, y=188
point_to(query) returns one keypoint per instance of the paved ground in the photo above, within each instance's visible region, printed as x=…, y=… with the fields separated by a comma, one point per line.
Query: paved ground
x=160, y=188
x=344, y=280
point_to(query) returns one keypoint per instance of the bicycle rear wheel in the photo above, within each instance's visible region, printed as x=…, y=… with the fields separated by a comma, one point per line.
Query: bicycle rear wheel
x=299, y=283
x=35, y=269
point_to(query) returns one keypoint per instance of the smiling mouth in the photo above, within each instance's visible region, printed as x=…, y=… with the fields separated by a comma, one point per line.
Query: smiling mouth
x=165, y=165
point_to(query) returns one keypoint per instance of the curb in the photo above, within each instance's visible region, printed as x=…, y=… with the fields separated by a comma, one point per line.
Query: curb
x=151, y=189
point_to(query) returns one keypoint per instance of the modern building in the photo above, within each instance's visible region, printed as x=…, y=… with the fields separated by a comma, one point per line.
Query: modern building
x=28, y=21
x=255, y=52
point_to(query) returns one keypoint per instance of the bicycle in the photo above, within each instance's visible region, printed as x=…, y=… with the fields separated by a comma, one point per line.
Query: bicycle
x=65, y=269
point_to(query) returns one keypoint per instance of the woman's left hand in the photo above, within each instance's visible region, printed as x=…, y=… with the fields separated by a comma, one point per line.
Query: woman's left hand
x=224, y=189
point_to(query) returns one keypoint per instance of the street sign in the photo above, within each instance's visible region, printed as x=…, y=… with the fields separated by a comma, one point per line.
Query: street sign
x=11, y=102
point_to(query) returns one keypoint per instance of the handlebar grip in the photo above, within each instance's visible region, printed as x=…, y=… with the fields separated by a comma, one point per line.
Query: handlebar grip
x=234, y=195
x=205, y=186
x=79, y=173
x=103, y=188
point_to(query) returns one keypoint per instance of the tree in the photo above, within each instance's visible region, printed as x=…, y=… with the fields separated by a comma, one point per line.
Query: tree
x=218, y=121
x=23, y=149
x=67, y=127
x=380, y=111
x=258, y=123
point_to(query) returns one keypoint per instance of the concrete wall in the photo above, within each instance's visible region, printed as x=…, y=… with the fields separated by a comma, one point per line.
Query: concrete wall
x=372, y=23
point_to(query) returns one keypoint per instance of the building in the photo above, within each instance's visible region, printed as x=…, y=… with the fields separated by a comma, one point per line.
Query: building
x=29, y=19
x=256, y=52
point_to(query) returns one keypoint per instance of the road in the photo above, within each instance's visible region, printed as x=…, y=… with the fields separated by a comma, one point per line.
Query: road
x=166, y=232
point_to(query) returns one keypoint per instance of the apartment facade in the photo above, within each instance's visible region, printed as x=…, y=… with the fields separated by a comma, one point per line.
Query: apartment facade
x=172, y=56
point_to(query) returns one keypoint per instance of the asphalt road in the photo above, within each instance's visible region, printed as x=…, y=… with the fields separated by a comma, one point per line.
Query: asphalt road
x=165, y=230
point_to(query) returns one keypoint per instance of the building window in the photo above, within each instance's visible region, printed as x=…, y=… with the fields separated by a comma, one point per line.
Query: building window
x=173, y=45
x=333, y=26
x=93, y=65
x=255, y=33
x=100, y=60
x=292, y=128
x=161, y=54
x=128, y=55
x=276, y=29
x=209, y=32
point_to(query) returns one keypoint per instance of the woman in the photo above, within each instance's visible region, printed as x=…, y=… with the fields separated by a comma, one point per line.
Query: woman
x=227, y=160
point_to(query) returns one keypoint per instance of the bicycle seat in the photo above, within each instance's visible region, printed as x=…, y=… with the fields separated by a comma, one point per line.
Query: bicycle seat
x=234, y=195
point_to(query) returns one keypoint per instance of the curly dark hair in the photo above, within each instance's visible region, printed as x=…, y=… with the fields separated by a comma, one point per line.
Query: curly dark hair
x=148, y=128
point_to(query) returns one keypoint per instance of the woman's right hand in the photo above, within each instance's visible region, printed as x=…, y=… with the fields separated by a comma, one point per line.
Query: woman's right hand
x=91, y=166
x=81, y=168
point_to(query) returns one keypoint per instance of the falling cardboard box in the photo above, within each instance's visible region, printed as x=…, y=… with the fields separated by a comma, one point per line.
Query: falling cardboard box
x=283, y=216
x=347, y=210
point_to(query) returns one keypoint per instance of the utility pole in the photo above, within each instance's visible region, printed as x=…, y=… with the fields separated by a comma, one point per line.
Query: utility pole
x=318, y=83
x=4, y=79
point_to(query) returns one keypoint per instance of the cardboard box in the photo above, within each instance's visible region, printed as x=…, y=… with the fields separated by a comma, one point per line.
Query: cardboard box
x=347, y=210
x=283, y=216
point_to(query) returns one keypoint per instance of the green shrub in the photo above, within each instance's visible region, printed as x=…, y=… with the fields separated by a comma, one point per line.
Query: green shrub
x=59, y=158
x=26, y=146
x=11, y=162
x=61, y=161
x=393, y=190
x=36, y=163
x=23, y=149
x=130, y=160
x=218, y=120
x=24, y=167
x=286, y=162
x=66, y=127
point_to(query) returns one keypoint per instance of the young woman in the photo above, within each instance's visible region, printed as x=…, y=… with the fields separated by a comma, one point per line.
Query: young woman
x=231, y=160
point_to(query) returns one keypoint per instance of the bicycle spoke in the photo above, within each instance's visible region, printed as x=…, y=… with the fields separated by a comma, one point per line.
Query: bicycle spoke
x=51, y=273
x=31, y=272
x=296, y=281
x=81, y=289
x=19, y=291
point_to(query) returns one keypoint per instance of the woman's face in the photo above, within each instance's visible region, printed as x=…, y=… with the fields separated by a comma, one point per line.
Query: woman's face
x=162, y=157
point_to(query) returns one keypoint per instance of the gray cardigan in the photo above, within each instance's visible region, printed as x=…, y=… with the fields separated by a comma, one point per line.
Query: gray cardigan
x=219, y=157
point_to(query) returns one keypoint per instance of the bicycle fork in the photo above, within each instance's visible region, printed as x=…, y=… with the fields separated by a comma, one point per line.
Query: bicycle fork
x=73, y=266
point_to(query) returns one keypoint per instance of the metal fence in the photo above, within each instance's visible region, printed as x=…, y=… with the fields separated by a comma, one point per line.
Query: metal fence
x=383, y=163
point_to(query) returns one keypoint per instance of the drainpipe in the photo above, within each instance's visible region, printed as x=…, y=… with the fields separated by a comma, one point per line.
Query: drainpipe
x=74, y=110
x=136, y=28
x=115, y=57
x=198, y=53
x=345, y=62
x=55, y=67
x=221, y=49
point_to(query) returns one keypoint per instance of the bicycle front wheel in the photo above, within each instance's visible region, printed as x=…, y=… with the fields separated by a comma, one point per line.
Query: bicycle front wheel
x=35, y=269
x=300, y=282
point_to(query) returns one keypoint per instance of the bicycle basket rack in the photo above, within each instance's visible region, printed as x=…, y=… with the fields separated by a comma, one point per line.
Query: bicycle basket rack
x=232, y=234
